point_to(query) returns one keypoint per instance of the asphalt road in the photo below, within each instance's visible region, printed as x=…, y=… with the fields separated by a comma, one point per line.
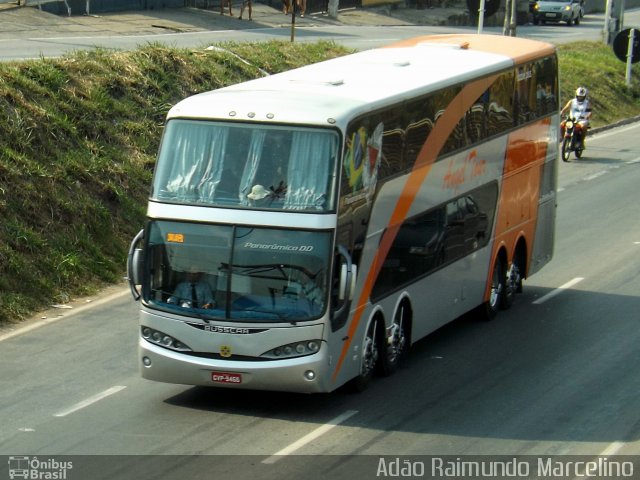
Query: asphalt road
x=557, y=374
x=36, y=44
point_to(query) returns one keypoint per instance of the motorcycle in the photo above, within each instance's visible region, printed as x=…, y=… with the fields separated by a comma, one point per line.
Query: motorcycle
x=572, y=138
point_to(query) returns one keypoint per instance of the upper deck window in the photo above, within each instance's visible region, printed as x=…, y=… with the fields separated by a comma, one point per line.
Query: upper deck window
x=238, y=165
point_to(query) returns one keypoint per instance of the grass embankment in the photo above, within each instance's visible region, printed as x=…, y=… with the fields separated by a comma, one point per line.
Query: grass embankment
x=78, y=137
x=594, y=66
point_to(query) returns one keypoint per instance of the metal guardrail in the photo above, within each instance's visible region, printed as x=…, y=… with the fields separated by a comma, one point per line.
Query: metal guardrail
x=39, y=3
x=312, y=6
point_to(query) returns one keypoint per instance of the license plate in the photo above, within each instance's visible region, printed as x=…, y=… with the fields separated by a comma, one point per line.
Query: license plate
x=552, y=15
x=226, y=377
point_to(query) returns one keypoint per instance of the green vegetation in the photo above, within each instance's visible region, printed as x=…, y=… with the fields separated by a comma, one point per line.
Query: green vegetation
x=593, y=65
x=78, y=137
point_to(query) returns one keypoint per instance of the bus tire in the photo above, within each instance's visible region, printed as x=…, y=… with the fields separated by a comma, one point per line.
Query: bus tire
x=513, y=281
x=493, y=304
x=368, y=358
x=396, y=346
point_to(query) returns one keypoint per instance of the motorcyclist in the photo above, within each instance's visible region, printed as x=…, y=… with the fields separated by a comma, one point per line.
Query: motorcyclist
x=579, y=108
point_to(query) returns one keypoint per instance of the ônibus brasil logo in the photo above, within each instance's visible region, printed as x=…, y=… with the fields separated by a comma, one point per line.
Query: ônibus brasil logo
x=33, y=468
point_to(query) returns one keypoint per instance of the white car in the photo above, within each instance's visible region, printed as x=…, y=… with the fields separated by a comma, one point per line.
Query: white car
x=569, y=11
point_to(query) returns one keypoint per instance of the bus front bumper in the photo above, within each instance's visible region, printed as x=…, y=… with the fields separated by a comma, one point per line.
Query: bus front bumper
x=303, y=374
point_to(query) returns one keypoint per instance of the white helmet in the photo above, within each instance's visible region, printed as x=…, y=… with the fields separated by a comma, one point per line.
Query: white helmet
x=581, y=93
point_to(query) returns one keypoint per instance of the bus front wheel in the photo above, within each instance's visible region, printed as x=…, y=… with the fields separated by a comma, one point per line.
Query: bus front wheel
x=368, y=358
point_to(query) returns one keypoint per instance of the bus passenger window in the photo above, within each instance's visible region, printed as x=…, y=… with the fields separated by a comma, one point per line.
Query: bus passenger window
x=475, y=121
x=500, y=108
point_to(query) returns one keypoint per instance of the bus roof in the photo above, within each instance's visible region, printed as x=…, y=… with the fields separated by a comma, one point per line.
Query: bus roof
x=333, y=91
x=519, y=49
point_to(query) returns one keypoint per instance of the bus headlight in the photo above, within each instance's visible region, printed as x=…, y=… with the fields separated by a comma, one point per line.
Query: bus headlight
x=292, y=350
x=162, y=339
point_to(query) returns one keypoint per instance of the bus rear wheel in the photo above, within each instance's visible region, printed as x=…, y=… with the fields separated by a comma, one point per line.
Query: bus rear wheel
x=513, y=282
x=496, y=294
x=397, y=342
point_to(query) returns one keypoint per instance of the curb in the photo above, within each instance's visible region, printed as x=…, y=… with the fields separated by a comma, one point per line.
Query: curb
x=610, y=126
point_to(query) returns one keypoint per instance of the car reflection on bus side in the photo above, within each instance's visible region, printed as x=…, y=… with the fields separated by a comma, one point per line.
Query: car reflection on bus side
x=429, y=241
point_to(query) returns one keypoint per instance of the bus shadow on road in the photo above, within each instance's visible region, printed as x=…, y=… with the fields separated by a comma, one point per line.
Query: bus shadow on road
x=564, y=370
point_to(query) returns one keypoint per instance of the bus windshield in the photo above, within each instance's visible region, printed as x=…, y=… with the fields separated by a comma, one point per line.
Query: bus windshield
x=237, y=273
x=237, y=165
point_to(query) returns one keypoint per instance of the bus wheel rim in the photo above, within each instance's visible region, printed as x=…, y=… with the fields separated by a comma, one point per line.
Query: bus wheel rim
x=496, y=287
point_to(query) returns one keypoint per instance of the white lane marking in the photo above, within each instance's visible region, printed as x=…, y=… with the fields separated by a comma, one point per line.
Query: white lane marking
x=67, y=314
x=618, y=130
x=612, y=449
x=595, y=175
x=310, y=437
x=90, y=401
x=558, y=290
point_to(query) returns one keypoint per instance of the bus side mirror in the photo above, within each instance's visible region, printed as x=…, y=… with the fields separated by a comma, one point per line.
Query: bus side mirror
x=347, y=281
x=345, y=277
x=134, y=265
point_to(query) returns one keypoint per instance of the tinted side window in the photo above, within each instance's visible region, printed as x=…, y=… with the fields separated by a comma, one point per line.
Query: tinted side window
x=476, y=119
x=438, y=237
x=546, y=86
x=419, y=121
x=500, y=108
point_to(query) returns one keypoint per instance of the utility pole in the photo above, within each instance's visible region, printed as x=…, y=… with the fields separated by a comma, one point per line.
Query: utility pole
x=630, y=52
x=505, y=24
x=510, y=18
x=606, y=31
x=332, y=8
x=293, y=20
x=613, y=20
x=481, y=16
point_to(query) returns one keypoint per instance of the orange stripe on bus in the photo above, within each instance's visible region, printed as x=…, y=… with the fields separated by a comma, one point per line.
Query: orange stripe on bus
x=427, y=156
x=520, y=193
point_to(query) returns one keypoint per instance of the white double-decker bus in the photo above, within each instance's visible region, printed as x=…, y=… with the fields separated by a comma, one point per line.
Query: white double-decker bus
x=305, y=228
